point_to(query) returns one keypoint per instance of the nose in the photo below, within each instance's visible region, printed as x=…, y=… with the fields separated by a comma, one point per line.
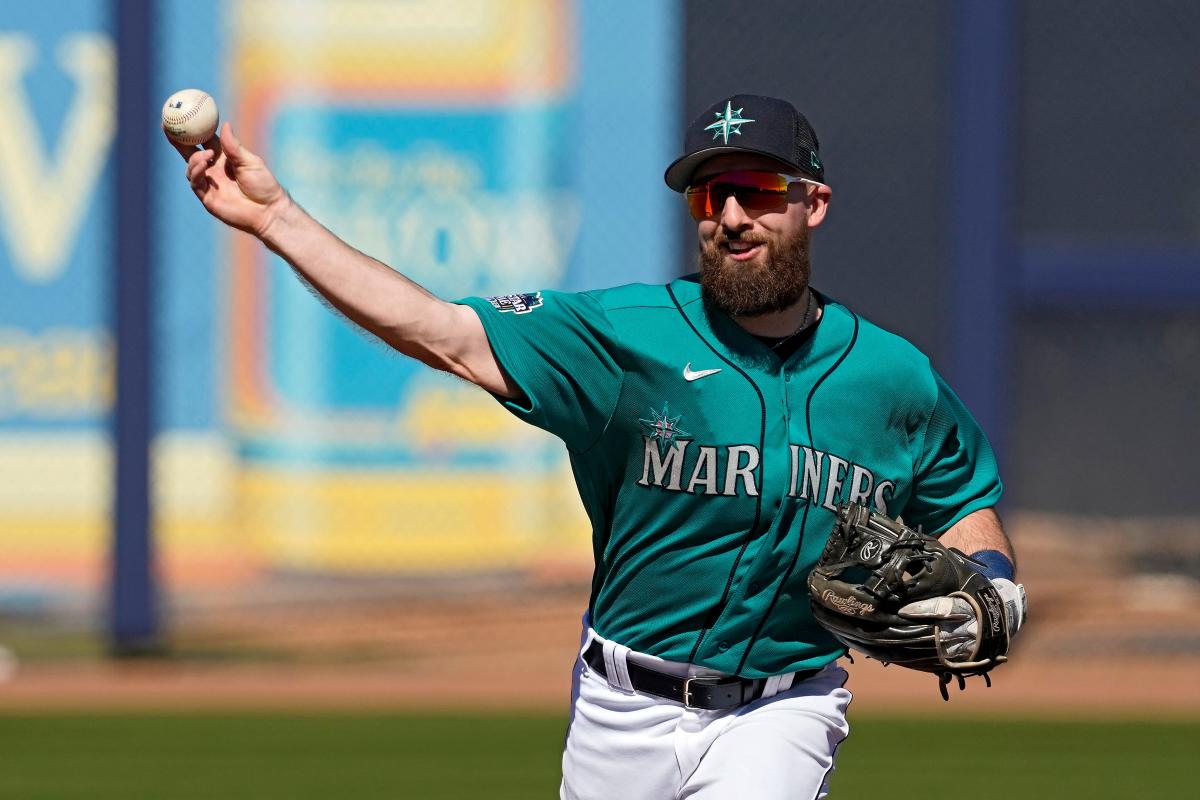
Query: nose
x=733, y=216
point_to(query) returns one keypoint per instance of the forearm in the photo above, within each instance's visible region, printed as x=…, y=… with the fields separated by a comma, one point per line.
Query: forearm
x=369, y=293
x=236, y=187
x=979, y=531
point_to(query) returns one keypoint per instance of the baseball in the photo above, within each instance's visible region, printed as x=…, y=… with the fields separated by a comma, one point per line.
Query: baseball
x=190, y=117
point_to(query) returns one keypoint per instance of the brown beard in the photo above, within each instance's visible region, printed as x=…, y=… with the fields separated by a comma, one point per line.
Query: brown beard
x=749, y=289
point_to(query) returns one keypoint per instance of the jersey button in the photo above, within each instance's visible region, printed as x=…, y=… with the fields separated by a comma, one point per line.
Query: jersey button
x=722, y=646
x=787, y=378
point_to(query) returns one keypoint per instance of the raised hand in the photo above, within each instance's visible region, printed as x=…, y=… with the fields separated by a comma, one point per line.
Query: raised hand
x=233, y=183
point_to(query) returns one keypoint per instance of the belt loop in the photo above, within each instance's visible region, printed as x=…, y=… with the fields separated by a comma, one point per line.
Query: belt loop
x=617, y=666
x=585, y=638
x=778, y=684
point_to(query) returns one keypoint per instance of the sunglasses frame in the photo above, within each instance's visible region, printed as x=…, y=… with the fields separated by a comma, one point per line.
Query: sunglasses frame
x=788, y=181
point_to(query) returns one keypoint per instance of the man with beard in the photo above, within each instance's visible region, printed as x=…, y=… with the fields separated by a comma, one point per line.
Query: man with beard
x=714, y=425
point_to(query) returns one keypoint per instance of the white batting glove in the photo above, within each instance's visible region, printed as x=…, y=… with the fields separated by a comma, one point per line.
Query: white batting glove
x=957, y=625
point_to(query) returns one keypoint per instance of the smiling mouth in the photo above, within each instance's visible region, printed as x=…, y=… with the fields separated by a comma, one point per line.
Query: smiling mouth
x=741, y=251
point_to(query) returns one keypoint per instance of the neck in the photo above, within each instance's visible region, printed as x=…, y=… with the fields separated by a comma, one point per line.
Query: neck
x=780, y=323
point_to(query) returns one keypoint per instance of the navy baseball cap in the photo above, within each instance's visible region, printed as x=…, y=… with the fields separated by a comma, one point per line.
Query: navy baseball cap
x=748, y=123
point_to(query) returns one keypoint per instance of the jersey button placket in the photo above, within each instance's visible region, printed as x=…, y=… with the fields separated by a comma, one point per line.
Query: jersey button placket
x=783, y=391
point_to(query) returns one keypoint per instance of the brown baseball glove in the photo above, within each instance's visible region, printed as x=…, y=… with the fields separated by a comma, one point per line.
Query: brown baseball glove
x=901, y=597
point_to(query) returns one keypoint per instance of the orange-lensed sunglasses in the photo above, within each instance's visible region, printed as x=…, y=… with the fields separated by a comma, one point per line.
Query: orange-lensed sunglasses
x=754, y=190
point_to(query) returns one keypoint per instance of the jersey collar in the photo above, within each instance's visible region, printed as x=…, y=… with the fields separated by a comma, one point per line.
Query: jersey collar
x=731, y=340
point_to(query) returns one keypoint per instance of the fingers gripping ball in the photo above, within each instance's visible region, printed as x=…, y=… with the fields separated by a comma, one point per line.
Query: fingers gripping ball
x=901, y=597
x=190, y=117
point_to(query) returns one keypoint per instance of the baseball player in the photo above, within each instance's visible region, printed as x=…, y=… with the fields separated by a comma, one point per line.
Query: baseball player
x=714, y=424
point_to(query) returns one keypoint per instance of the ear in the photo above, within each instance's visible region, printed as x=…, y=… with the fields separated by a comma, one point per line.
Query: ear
x=818, y=205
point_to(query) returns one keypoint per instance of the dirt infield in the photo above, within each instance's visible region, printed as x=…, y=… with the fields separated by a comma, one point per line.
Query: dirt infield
x=1096, y=644
x=535, y=680
x=481, y=658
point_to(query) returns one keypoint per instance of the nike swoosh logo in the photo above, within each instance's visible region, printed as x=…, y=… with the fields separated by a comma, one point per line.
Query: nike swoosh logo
x=695, y=375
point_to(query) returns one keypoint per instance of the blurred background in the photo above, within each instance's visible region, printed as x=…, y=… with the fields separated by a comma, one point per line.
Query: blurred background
x=215, y=493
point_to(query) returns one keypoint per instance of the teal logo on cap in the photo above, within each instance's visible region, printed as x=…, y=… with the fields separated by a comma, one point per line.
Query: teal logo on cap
x=813, y=160
x=731, y=121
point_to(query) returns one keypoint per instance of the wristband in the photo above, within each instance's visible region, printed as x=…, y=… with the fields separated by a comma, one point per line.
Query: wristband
x=993, y=564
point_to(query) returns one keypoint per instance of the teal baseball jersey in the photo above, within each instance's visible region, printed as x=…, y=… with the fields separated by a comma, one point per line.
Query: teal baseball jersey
x=711, y=469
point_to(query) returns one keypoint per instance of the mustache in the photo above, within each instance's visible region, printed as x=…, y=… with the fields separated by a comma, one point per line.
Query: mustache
x=744, y=238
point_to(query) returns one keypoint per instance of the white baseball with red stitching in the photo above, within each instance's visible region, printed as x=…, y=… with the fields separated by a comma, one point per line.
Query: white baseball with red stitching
x=190, y=117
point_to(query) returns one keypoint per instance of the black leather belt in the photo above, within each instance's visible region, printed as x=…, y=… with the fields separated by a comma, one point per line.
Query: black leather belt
x=706, y=693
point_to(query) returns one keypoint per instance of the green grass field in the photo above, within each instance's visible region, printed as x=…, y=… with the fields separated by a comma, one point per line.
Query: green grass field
x=266, y=756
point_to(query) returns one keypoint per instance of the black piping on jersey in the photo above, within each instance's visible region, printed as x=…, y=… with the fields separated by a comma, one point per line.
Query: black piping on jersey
x=715, y=613
x=617, y=400
x=804, y=518
x=600, y=544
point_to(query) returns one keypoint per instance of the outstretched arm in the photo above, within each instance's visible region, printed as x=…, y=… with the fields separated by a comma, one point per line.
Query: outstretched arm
x=237, y=188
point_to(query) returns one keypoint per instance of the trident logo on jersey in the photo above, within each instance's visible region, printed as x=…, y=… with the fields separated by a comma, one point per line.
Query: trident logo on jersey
x=663, y=428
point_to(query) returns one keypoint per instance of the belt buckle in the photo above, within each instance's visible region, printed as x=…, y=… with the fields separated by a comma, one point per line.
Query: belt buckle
x=687, y=688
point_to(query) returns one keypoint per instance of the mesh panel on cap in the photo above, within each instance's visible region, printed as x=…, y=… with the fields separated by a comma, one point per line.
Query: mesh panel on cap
x=806, y=142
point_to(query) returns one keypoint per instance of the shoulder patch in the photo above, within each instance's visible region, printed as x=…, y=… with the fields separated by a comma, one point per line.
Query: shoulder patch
x=518, y=303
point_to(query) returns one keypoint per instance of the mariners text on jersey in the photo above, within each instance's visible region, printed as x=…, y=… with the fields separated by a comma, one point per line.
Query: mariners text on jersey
x=843, y=481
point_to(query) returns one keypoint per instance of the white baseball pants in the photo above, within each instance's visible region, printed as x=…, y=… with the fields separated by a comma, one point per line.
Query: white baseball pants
x=627, y=746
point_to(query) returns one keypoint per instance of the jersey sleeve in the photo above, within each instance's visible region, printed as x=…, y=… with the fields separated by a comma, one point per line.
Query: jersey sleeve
x=558, y=348
x=955, y=470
